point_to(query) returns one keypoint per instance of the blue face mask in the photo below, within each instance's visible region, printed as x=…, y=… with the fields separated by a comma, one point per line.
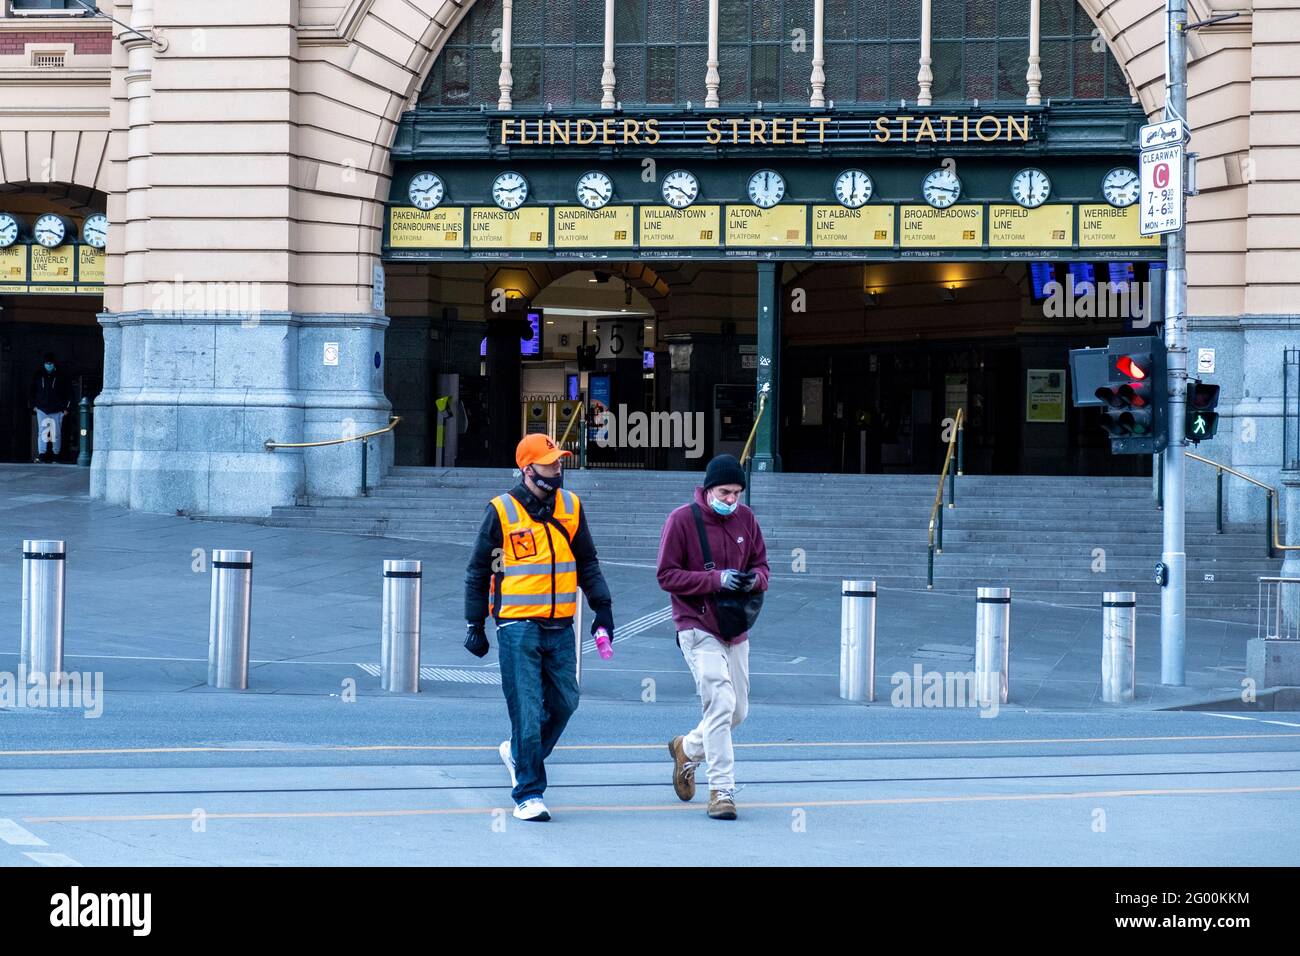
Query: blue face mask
x=49, y=366
x=722, y=508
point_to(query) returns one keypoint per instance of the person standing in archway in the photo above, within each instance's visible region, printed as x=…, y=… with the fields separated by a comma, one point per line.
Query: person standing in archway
x=50, y=398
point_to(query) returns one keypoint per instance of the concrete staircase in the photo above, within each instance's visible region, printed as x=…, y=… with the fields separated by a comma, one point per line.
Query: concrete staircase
x=1061, y=540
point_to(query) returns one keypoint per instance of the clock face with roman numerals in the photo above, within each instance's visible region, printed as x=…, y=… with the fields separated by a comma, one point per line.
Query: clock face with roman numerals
x=680, y=188
x=853, y=188
x=509, y=190
x=766, y=188
x=1121, y=187
x=595, y=189
x=1030, y=188
x=941, y=188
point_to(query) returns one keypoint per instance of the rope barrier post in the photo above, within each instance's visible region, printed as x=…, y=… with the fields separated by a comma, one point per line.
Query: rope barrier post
x=399, y=647
x=858, y=641
x=1118, y=646
x=365, y=447
x=1218, y=502
x=230, y=621
x=41, y=650
x=992, y=644
x=83, y=446
x=1268, y=524
x=961, y=434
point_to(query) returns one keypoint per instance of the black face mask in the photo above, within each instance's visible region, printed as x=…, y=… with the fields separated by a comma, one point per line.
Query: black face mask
x=548, y=485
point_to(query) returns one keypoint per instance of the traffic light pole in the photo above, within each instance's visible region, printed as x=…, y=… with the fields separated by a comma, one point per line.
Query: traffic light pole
x=1173, y=597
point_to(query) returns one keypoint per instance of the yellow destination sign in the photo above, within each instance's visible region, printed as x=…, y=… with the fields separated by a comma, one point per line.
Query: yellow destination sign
x=778, y=226
x=411, y=228
x=577, y=227
x=953, y=227
x=663, y=227
x=835, y=227
x=492, y=228
x=1013, y=225
x=52, y=265
x=1101, y=224
x=13, y=264
x=90, y=265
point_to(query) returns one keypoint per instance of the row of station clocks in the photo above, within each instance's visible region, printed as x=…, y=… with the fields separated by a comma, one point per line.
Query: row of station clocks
x=853, y=188
x=52, y=230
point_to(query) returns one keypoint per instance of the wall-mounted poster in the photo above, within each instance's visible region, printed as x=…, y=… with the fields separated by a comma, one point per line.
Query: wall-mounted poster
x=1045, y=395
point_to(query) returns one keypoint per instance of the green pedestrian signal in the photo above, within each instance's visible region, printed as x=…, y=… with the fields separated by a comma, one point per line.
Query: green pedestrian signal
x=1202, y=421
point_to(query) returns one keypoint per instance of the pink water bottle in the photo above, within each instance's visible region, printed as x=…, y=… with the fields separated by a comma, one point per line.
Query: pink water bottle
x=603, y=645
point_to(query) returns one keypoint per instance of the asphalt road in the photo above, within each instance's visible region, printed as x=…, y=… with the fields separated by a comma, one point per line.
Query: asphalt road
x=257, y=779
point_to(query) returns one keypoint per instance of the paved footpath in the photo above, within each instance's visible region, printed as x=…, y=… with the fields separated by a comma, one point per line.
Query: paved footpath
x=316, y=765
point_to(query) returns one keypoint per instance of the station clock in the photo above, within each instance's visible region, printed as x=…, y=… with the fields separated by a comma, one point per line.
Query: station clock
x=680, y=188
x=426, y=191
x=1121, y=187
x=94, y=231
x=595, y=189
x=8, y=230
x=509, y=190
x=941, y=187
x=766, y=188
x=1031, y=187
x=50, y=230
x=853, y=188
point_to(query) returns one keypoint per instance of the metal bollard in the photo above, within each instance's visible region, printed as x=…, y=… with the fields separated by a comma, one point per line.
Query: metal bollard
x=399, y=651
x=992, y=644
x=858, y=641
x=228, y=630
x=1118, y=646
x=41, y=651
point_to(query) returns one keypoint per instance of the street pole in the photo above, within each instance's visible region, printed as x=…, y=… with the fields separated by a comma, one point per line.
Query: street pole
x=1173, y=597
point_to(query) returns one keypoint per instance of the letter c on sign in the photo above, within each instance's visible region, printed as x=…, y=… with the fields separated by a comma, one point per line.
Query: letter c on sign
x=1161, y=175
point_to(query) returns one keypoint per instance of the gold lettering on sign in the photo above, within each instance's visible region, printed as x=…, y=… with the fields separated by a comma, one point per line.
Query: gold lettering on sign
x=764, y=131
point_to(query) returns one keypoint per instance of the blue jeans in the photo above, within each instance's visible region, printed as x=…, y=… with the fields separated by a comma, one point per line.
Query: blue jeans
x=540, y=683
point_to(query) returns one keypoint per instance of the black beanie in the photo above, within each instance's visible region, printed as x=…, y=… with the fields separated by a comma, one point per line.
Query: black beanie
x=724, y=470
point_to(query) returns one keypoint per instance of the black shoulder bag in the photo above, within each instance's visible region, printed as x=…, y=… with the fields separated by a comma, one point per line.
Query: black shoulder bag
x=736, y=610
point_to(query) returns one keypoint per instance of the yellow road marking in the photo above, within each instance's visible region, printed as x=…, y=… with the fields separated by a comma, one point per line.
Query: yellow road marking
x=492, y=748
x=668, y=807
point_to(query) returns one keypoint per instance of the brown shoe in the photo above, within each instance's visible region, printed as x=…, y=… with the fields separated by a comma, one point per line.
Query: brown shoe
x=721, y=805
x=683, y=770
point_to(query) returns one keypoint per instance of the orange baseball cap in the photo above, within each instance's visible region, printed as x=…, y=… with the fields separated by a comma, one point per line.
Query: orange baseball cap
x=538, y=449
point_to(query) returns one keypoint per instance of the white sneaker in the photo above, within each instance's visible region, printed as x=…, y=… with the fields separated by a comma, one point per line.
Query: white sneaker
x=509, y=761
x=532, y=809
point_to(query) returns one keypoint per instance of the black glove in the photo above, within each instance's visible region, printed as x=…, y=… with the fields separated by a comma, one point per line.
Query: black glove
x=605, y=619
x=747, y=580
x=476, y=641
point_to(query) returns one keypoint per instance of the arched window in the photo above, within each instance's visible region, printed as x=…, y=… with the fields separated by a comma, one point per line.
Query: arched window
x=872, y=50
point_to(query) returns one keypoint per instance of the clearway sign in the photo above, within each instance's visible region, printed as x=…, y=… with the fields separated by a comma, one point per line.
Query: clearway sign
x=1161, y=173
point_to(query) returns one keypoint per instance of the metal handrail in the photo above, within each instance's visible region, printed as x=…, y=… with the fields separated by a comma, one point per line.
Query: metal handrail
x=393, y=422
x=746, y=459
x=1272, y=540
x=936, y=512
x=572, y=418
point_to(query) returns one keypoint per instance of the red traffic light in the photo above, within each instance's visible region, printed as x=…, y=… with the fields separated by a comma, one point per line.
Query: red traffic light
x=1130, y=366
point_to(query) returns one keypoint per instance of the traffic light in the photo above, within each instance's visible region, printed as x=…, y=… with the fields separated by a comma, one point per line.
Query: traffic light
x=1202, y=421
x=1134, y=399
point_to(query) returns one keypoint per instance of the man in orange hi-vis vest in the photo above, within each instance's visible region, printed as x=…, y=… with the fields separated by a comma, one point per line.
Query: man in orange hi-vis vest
x=534, y=551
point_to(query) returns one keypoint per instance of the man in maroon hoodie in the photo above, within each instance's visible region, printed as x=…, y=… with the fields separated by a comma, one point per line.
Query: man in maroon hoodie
x=719, y=665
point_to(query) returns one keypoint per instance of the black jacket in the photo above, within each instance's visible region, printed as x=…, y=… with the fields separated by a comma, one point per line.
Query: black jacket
x=490, y=540
x=49, y=391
